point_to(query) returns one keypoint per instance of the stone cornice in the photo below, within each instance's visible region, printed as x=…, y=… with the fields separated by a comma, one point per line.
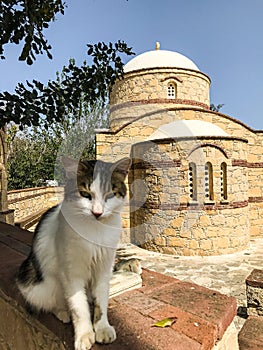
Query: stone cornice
x=206, y=110
x=190, y=206
x=199, y=138
x=166, y=70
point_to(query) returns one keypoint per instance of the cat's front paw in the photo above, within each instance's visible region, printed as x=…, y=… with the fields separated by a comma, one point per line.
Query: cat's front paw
x=105, y=335
x=85, y=342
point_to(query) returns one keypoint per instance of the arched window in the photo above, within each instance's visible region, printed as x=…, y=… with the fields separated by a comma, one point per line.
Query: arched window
x=223, y=180
x=192, y=181
x=171, y=90
x=209, y=185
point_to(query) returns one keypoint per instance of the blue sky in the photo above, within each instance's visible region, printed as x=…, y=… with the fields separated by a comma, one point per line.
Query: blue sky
x=223, y=38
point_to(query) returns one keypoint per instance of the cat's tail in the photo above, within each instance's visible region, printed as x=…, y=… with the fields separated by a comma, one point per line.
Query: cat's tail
x=42, y=296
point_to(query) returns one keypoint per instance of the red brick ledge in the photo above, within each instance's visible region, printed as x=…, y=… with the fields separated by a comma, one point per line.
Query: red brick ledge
x=176, y=101
x=255, y=279
x=251, y=334
x=202, y=315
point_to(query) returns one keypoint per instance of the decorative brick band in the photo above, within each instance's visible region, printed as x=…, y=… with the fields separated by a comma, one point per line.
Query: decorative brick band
x=246, y=164
x=239, y=162
x=255, y=165
x=209, y=145
x=255, y=199
x=175, y=77
x=159, y=101
x=189, y=206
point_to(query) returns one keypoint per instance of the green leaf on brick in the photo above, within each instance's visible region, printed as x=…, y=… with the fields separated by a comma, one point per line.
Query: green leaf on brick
x=166, y=322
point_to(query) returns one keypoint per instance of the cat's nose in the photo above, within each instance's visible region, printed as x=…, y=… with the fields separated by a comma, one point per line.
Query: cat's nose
x=96, y=214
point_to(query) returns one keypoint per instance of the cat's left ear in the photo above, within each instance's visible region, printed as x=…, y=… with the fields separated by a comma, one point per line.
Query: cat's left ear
x=122, y=166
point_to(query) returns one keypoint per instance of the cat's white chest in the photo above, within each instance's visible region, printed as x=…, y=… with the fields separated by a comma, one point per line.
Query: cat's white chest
x=104, y=232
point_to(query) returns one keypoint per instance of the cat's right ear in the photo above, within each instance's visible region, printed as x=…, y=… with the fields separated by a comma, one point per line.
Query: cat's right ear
x=70, y=166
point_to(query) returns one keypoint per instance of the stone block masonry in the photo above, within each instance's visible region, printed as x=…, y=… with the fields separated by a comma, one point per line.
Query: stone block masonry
x=240, y=215
x=28, y=202
x=145, y=87
x=251, y=334
x=254, y=286
x=197, y=195
x=165, y=219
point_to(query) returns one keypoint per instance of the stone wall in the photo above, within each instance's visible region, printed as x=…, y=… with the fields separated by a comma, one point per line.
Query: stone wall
x=255, y=187
x=29, y=201
x=245, y=157
x=152, y=83
x=164, y=218
x=139, y=107
x=150, y=86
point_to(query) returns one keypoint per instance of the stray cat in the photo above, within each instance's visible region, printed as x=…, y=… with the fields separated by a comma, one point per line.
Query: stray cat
x=73, y=250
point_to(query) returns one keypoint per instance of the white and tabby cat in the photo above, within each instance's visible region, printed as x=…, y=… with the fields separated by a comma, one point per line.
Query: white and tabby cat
x=71, y=260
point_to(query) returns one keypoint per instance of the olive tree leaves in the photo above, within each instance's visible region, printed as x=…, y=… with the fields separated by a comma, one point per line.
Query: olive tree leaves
x=24, y=21
x=33, y=102
x=45, y=112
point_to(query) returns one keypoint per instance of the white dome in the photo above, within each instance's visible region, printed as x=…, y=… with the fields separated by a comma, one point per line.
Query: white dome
x=159, y=59
x=187, y=128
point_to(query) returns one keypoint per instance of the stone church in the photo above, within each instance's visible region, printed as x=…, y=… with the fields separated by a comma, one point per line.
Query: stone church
x=196, y=181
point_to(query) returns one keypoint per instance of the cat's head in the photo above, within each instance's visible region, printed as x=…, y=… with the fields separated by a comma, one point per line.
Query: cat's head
x=97, y=187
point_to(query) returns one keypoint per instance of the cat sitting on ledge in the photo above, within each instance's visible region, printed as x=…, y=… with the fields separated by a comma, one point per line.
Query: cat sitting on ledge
x=73, y=250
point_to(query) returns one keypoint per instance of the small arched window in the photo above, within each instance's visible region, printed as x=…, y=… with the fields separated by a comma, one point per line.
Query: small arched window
x=209, y=185
x=171, y=90
x=223, y=180
x=192, y=181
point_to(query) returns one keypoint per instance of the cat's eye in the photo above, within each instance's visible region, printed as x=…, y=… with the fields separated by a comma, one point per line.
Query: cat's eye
x=86, y=195
x=109, y=196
